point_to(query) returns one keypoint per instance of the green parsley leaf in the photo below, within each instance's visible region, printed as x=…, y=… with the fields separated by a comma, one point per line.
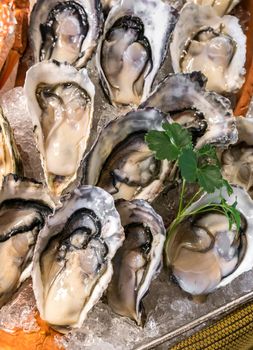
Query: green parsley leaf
x=209, y=178
x=188, y=164
x=207, y=150
x=160, y=143
x=207, y=154
x=179, y=136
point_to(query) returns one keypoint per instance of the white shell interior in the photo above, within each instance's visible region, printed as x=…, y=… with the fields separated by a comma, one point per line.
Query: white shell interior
x=71, y=123
x=39, y=16
x=102, y=204
x=195, y=18
x=245, y=207
x=158, y=35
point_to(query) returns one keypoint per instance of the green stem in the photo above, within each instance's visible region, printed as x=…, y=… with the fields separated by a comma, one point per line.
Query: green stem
x=208, y=206
x=196, y=195
x=181, y=198
x=169, y=236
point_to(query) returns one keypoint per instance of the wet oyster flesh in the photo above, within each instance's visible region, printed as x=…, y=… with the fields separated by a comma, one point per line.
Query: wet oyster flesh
x=216, y=46
x=138, y=260
x=24, y=206
x=205, y=253
x=133, y=48
x=60, y=101
x=66, y=31
x=72, y=261
x=207, y=115
x=121, y=162
x=237, y=160
x=10, y=161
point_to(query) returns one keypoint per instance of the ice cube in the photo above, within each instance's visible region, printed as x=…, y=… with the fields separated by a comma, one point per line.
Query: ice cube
x=20, y=312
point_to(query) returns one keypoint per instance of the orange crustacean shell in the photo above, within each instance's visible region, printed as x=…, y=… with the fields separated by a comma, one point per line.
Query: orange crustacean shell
x=7, y=30
x=247, y=90
x=13, y=39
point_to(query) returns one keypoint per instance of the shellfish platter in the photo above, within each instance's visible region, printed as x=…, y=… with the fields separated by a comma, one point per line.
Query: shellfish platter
x=126, y=201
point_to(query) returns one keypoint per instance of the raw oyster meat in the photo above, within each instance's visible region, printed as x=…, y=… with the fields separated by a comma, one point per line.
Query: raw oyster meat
x=66, y=31
x=60, y=100
x=221, y=6
x=24, y=206
x=10, y=161
x=237, y=160
x=138, y=260
x=72, y=262
x=133, y=48
x=216, y=46
x=204, y=253
x=207, y=115
x=121, y=162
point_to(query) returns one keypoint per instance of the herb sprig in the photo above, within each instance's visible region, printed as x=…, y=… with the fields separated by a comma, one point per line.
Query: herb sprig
x=196, y=166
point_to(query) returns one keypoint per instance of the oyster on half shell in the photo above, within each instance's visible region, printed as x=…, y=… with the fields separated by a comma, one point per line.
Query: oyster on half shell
x=121, y=162
x=24, y=207
x=10, y=161
x=60, y=100
x=204, y=253
x=138, y=260
x=216, y=46
x=237, y=160
x=72, y=261
x=221, y=7
x=65, y=30
x=133, y=48
x=207, y=115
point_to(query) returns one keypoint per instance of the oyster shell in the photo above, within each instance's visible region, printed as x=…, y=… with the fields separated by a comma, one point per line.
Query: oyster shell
x=65, y=30
x=72, y=261
x=24, y=206
x=108, y=4
x=133, y=48
x=204, y=253
x=206, y=114
x=120, y=161
x=216, y=46
x=60, y=100
x=10, y=161
x=221, y=7
x=237, y=160
x=138, y=260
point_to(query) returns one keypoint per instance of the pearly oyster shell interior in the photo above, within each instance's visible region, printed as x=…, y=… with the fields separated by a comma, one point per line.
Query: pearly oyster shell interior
x=121, y=162
x=10, y=160
x=24, y=207
x=60, y=100
x=205, y=253
x=133, y=48
x=216, y=46
x=138, y=260
x=237, y=160
x=221, y=7
x=65, y=30
x=72, y=261
x=207, y=115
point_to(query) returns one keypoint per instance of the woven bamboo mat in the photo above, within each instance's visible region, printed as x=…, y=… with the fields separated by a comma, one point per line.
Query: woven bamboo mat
x=233, y=332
